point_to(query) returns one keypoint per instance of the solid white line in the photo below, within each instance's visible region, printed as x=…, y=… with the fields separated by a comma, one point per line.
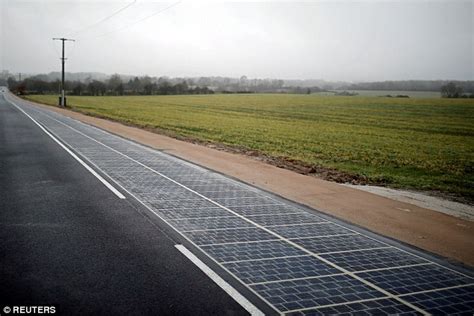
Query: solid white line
x=370, y=284
x=161, y=217
x=239, y=298
x=95, y=174
x=259, y=226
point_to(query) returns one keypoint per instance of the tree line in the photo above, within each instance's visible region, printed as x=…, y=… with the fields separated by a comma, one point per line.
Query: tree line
x=453, y=90
x=411, y=85
x=87, y=83
x=113, y=86
x=127, y=85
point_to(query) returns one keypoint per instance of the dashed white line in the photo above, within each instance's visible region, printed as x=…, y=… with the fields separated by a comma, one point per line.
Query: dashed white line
x=279, y=237
x=239, y=298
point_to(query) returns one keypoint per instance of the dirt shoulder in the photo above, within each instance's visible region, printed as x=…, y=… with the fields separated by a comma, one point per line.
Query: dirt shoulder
x=436, y=232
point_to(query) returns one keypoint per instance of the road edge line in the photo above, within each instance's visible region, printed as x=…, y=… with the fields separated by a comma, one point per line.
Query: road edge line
x=86, y=166
x=239, y=298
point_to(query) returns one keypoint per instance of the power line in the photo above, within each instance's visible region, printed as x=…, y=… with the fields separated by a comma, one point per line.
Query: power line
x=141, y=20
x=105, y=19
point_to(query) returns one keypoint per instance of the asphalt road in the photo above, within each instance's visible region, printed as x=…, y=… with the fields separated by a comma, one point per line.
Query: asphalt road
x=67, y=240
x=70, y=240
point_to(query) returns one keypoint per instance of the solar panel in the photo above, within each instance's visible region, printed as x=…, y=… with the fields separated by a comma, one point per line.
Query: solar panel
x=295, y=259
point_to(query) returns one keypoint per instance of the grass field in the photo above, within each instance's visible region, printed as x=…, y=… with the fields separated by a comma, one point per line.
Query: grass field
x=424, y=144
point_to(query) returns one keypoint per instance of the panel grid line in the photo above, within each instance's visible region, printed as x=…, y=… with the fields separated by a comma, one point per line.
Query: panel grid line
x=272, y=258
x=438, y=289
x=297, y=279
x=332, y=305
x=352, y=250
x=271, y=232
x=265, y=228
x=396, y=267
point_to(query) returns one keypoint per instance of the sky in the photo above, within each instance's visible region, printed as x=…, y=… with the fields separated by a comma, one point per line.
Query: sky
x=330, y=40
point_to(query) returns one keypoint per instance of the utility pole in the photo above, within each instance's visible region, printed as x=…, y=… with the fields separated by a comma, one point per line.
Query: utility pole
x=62, y=101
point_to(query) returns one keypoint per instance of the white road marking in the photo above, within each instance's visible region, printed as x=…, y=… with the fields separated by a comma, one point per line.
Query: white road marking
x=239, y=298
x=95, y=174
x=370, y=284
x=256, y=224
x=389, y=295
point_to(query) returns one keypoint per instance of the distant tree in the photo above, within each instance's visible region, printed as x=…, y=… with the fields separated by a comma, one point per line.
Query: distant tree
x=150, y=88
x=451, y=90
x=11, y=82
x=204, y=82
x=115, y=84
x=97, y=88
x=78, y=88
x=181, y=88
x=120, y=89
x=55, y=86
x=165, y=88
x=243, y=81
x=135, y=85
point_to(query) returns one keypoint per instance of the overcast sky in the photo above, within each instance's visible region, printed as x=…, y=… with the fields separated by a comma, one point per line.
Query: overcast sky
x=332, y=40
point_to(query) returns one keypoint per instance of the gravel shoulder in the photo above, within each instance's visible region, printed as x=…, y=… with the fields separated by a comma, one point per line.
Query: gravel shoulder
x=421, y=225
x=460, y=210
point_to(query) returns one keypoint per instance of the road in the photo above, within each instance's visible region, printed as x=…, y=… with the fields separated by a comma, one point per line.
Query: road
x=67, y=240
x=95, y=223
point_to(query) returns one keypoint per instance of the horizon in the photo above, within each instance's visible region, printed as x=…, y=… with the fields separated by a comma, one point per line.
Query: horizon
x=28, y=75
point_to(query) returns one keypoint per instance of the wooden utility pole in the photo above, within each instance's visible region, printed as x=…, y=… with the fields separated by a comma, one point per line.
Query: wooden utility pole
x=62, y=100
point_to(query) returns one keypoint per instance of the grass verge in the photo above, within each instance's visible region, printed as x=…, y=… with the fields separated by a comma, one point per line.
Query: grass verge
x=422, y=144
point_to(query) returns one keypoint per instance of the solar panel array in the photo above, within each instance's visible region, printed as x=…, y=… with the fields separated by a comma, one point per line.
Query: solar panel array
x=296, y=260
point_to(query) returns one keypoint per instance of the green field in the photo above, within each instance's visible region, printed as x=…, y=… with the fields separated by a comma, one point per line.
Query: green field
x=424, y=144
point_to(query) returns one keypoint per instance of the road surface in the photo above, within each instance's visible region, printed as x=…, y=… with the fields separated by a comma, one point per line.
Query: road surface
x=92, y=222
